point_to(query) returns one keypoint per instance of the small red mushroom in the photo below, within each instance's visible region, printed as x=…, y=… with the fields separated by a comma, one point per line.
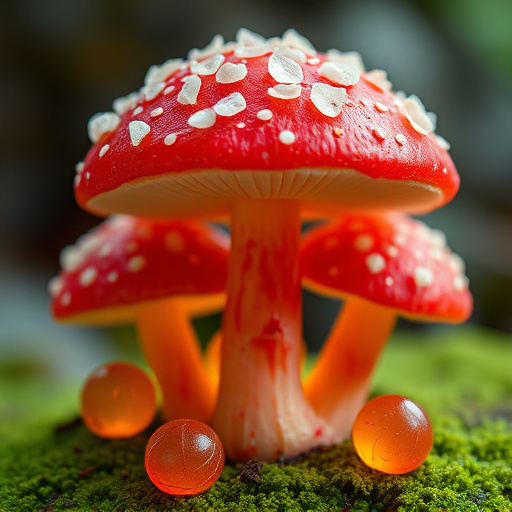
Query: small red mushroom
x=384, y=266
x=157, y=274
x=265, y=132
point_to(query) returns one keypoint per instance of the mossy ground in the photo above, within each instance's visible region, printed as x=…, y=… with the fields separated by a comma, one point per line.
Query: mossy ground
x=462, y=377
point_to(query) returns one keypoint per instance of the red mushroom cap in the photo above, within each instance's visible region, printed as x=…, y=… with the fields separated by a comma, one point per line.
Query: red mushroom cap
x=264, y=119
x=391, y=260
x=127, y=261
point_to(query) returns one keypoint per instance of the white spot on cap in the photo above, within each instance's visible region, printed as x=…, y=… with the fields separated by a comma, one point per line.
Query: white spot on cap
x=113, y=276
x=203, y=118
x=399, y=239
x=136, y=263
x=327, y=99
x=363, y=242
x=375, y=263
x=102, y=123
x=285, y=92
x=257, y=50
x=248, y=37
x=460, y=282
x=138, y=130
x=401, y=139
x=170, y=139
x=216, y=45
x=354, y=58
x=340, y=73
x=381, y=107
x=65, y=299
x=284, y=70
x=457, y=264
x=156, y=74
x=156, y=112
x=415, y=112
x=152, y=91
x=209, y=66
x=379, y=79
x=230, y=105
x=240, y=125
x=125, y=103
x=190, y=90
x=230, y=73
x=442, y=142
x=379, y=133
x=313, y=61
x=71, y=258
x=88, y=276
x=105, y=250
x=287, y=137
x=169, y=89
x=291, y=53
x=103, y=150
x=292, y=38
x=55, y=286
x=264, y=115
x=79, y=167
x=392, y=251
x=389, y=281
x=422, y=277
x=137, y=111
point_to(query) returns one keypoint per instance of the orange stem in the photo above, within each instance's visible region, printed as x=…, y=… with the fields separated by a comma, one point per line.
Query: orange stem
x=261, y=411
x=339, y=383
x=172, y=350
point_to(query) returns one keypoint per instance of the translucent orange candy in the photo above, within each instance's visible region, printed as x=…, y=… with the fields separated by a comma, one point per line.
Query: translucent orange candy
x=118, y=401
x=392, y=434
x=184, y=457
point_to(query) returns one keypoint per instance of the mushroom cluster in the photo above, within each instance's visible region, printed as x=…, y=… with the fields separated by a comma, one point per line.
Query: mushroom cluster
x=262, y=134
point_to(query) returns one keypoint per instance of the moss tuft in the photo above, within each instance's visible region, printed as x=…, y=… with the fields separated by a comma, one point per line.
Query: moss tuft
x=462, y=378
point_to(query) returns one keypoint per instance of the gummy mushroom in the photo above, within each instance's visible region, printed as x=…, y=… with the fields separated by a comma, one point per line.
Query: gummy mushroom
x=384, y=266
x=264, y=132
x=157, y=274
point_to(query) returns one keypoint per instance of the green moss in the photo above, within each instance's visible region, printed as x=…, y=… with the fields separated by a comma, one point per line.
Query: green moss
x=462, y=377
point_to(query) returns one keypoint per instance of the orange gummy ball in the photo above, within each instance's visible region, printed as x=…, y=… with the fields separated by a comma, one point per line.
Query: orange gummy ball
x=118, y=401
x=184, y=457
x=392, y=434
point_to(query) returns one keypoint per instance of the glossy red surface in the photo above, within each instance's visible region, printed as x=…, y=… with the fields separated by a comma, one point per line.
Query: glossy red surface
x=118, y=401
x=346, y=141
x=184, y=457
x=127, y=260
x=336, y=260
x=392, y=434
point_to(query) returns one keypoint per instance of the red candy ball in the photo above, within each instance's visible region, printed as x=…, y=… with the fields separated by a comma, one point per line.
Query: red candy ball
x=118, y=401
x=392, y=434
x=184, y=457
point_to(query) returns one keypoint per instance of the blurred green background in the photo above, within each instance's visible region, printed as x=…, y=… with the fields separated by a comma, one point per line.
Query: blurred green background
x=62, y=61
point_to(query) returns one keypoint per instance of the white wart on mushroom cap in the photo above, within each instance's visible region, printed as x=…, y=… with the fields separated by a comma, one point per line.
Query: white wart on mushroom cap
x=127, y=261
x=261, y=118
x=391, y=260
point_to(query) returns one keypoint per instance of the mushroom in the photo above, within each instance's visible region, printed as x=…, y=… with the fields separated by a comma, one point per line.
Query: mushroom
x=264, y=132
x=157, y=274
x=384, y=266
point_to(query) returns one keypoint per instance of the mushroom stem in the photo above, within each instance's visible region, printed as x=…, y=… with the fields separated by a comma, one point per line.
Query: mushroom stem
x=172, y=350
x=338, y=385
x=261, y=411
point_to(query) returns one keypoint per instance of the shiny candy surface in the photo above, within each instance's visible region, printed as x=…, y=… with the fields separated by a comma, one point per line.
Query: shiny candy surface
x=118, y=401
x=184, y=457
x=392, y=434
